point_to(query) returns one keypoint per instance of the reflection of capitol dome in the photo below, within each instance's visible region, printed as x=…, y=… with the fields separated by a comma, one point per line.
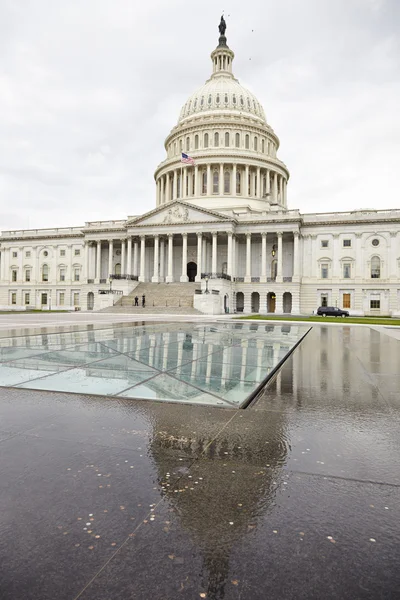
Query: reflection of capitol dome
x=222, y=127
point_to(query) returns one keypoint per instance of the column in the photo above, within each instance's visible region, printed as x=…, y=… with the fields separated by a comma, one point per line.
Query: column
x=284, y=192
x=268, y=175
x=123, y=258
x=190, y=182
x=162, y=259
x=196, y=180
x=142, y=258
x=175, y=186
x=184, y=277
x=87, y=261
x=110, y=257
x=2, y=257
x=183, y=182
x=199, y=256
x=157, y=192
x=170, y=276
x=246, y=182
x=221, y=179
x=335, y=257
x=167, y=188
x=209, y=182
x=135, y=258
x=98, y=261
x=230, y=255
x=247, y=276
x=234, y=259
x=234, y=175
x=214, y=254
x=129, y=258
x=275, y=191
x=296, y=257
x=155, y=278
x=279, y=259
x=263, y=277
x=258, y=190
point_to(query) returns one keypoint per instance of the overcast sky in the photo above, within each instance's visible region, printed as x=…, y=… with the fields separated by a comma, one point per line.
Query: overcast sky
x=89, y=89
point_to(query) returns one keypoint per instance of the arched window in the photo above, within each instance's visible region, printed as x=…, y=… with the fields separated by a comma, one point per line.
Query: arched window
x=237, y=140
x=263, y=146
x=204, y=182
x=256, y=144
x=238, y=182
x=215, y=182
x=227, y=139
x=206, y=140
x=247, y=141
x=217, y=99
x=227, y=182
x=187, y=144
x=209, y=99
x=216, y=139
x=234, y=98
x=196, y=142
x=375, y=267
x=181, y=145
x=178, y=186
x=174, y=148
x=45, y=273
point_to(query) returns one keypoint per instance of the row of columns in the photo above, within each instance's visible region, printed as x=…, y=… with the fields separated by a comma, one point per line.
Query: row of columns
x=138, y=265
x=186, y=182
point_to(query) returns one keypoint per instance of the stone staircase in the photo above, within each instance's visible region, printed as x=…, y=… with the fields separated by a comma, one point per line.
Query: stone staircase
x=161, y=298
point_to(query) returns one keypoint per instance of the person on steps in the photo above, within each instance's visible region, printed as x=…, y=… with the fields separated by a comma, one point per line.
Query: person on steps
x=143, y=301
x=136, y=301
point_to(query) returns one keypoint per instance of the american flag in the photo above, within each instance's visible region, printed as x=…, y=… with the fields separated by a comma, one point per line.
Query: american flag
x=188, y=160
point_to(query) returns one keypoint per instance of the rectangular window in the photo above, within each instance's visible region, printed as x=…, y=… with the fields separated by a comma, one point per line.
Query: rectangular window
x=346, y=270
x=61, y=300
x=76, y=298
x=346, y=300
x=62, y=252
x=14, y=275
x=77, y=252
x=28, y=254
x=375, y=304
x=324, y=299
x=62, y=274
x=44, y=298
x=14, y=254
x=14, y=298
x=324, y=271
x=324, y=243
x=76, y=274
x=346, y=243
x=27, y=275
x=27, y=298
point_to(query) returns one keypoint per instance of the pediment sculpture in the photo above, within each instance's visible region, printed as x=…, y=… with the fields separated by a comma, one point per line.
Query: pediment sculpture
x=178, y=214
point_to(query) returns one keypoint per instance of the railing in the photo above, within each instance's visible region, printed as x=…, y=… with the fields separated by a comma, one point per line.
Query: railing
x=255, y=280
x=90, y=280
x=216, y=276
x=103, y=281
x=287, y=279
x=239, y=279
x=128, y=277
x=110, y=292
x=269, y=279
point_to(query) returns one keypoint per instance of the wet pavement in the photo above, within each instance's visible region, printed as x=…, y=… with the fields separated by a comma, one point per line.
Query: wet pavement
x=296, y=497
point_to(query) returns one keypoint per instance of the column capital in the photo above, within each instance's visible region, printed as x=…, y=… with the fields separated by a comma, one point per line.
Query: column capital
x=248, y=235
x=230, y=233
x=214, y=234
x=170, y=235
x=279, y=234
x=263, y=234
x=142, y=236
x=156, y=236
x=296, y=234
x=110, y=241
x=199, y=233
x=359, y=235
x=184, y=235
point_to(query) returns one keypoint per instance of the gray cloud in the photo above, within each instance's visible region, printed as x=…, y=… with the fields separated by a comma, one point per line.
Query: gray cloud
x=89, y=91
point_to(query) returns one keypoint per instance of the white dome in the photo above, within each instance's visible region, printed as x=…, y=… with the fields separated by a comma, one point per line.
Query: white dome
x=221, y=95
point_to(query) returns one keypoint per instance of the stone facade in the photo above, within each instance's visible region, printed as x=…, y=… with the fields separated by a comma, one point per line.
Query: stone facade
x=223, y=222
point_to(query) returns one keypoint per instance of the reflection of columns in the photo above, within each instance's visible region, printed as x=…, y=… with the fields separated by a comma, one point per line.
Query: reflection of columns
x=170, y=277
x=194, y=360
x=210, y=350
x=280, y=258
x=247, y=276
x=234, y=176
x=263, y=277
x=208, y=180
x=184, y=277
x=142, y=257
x=199, y=257
x=155, y=278
x=260, y=348
x=230, y=255
x=110, y=256
x=129, y=261
x=296, y=256
x=246, y=182
x=165, y=347
x=221, y=179
x=244, y=360
x=123, y=269
x=162, y=259
x=214, y=253
x=98, y=260
x=135, y=258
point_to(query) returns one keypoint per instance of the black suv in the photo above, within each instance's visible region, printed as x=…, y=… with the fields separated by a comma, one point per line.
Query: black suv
x=332, y=311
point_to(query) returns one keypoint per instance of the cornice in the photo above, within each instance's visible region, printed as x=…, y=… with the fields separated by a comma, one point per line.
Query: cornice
x=226, y=157
x=41, y=237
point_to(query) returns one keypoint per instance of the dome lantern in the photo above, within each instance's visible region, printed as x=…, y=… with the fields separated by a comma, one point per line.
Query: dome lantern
x=222, y=56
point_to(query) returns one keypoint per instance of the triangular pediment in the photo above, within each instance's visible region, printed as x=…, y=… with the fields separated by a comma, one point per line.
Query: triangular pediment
x=178, y=213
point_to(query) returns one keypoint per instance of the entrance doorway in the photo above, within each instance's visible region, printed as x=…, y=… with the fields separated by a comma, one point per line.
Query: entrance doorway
x=226, y=303
x=239, y=302
x=90, y=301
x=255, y=302
x=191, y=271
x=287, y=302
x=271, y=301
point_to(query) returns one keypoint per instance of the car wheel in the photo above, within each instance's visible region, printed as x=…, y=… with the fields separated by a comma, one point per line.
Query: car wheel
x=324, y=314
x=343, y=316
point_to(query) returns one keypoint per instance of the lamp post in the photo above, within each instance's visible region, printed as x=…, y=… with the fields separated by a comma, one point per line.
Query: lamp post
x=206, y=280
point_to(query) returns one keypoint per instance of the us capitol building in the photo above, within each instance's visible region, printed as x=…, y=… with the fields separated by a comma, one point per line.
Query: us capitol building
x=221, y=225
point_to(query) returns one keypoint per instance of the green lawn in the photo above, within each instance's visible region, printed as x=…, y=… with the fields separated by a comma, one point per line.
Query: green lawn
x=342, y=321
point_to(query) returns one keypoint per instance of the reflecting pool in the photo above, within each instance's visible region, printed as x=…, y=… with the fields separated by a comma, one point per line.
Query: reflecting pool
x=219, y=364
